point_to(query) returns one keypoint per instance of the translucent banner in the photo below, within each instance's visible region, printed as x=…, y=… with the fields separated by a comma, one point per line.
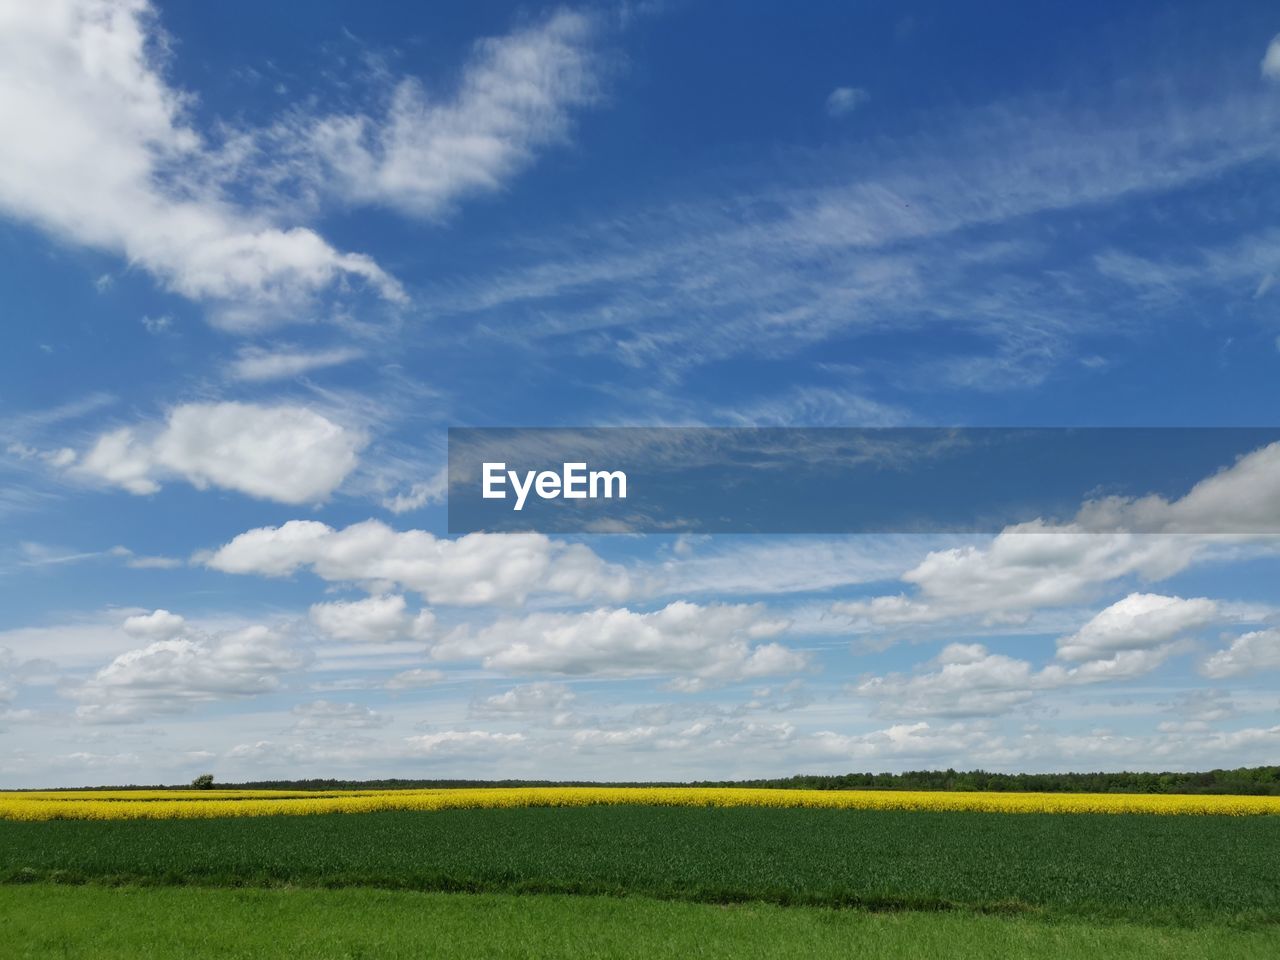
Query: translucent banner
x=855, y=480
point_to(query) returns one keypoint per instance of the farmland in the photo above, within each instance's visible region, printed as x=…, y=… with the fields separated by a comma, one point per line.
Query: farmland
x=129, y=923
x=1154, y=869
x=185, y=804
x=626, y=872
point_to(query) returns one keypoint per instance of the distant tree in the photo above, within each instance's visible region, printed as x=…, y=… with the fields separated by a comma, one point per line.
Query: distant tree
x=203, y=782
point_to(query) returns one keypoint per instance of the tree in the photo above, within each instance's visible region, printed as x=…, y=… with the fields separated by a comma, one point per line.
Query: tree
x=203, y=782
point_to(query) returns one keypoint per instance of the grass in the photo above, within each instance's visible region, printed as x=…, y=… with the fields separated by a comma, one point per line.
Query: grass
x=1158, y=870
x=128, y=923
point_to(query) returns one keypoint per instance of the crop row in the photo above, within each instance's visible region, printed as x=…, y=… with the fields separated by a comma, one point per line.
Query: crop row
x=1162, y=868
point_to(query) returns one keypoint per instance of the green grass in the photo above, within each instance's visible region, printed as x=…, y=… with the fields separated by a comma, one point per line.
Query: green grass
x=42, y=921
x=1158, y=870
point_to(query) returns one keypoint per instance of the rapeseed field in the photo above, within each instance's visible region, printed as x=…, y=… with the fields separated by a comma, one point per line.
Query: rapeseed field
x=188, y=804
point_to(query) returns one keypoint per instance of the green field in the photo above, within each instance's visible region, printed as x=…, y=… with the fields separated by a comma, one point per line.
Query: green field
x=1180, y=871
x=40, y=921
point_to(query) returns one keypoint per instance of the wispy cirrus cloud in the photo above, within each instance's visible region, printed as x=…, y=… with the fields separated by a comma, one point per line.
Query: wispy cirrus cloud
x=258, y=364
x=882, y=237
x=421, y=154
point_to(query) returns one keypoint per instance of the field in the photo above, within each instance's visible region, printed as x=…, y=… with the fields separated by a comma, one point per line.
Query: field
x=169, y=804
x=793, y=874
x=97, y=923
x=1167, y=869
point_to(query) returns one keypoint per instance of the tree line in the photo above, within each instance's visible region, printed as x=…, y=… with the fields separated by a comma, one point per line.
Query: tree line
x=1257, y=781
x=1238, y=781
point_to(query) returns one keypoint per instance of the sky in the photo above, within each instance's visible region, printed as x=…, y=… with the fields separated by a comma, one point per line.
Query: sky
x=255, y=260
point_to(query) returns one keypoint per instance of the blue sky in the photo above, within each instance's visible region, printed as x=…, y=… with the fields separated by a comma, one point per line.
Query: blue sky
x=253, y=265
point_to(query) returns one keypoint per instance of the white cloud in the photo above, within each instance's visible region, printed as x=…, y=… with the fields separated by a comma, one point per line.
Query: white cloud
x=967, y=680
x=327, y=715
x=414, y=679
x=1023, y=569
x=1243, y=498
x=1203, y=706
x=284, y=453
x=465, y=742
x=1253, y=652
x=777, y=564
x=8, y=684
x=844, y=100
x=514, y=97
x=99, y=150
x=902, y=742
x=102, y=151
x=79, y=643
x=420, y=494
x=259, y=364
x=529, y=701
x=143, y=562
x=475, y=569
x=1034, y=565
x=1271, y=60
x=378, y=619
x=157, y=625
x=812, y=406
x=1139, y=621
x=1121, y=665
x=62, y=457
x=181, y=666
x=699, y=644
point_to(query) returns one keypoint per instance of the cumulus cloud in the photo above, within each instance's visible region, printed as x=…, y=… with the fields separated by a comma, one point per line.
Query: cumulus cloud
x=1023, y=569
x=1030, y=566
x=1139, y=621
x=1253, y=652
x=1128, y=639
x=377, y=619
x=100, y=150
x=475, y=569
x=157, y=625
x=1243, y=498
x=907, y=740
x=543, y=701
x=284, y=453
x=698, y=644
x=967, y=681
x=180, y=667
x=1121, y=665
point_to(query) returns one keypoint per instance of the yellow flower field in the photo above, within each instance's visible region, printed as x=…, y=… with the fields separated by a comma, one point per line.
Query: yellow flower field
x=174, y=804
